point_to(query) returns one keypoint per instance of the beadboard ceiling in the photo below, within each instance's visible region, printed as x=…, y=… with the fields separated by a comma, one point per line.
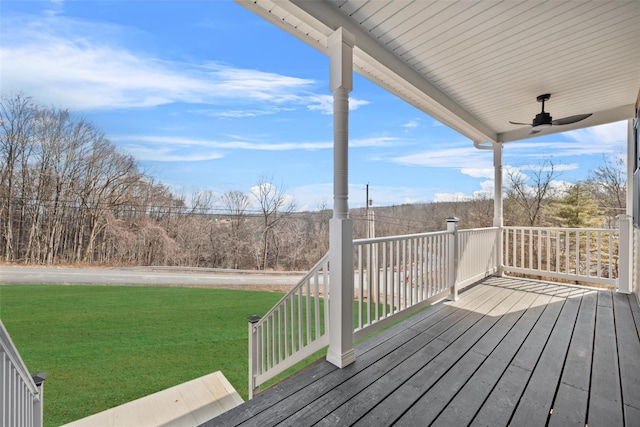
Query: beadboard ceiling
x=476, y=65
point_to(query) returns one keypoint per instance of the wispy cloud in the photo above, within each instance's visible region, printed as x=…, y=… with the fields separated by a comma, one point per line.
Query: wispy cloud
x=478, y=172
x=608, y=139
x=169, y=155
x=545, y=167
x=411, y=124
x=240, y=113
x=90, y=67
x=324, y=103
x=468, y=158
x=163, y=148
x=610, y=134
x=451, y=197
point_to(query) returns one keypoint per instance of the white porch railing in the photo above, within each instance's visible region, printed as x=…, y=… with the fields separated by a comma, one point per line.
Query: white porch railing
x=20, y=396
x=396, y=274
x=295, y=328
x=401, y=274
x=478, y=255
x=393, y=275
x=580, y=254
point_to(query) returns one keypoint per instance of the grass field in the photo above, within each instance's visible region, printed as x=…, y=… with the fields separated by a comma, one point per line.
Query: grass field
x=102, y=346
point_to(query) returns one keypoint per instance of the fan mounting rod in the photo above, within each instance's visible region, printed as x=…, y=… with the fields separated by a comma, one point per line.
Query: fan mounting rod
x=543, y=98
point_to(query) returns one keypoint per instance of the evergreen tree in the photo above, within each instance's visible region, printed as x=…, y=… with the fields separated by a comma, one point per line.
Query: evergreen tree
x=577, y=209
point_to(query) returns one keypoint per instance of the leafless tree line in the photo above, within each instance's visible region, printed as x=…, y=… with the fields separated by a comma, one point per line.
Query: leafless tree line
x=67, y=195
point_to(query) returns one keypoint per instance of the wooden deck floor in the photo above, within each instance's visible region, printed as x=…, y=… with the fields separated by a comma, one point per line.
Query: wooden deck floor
x=508, y=352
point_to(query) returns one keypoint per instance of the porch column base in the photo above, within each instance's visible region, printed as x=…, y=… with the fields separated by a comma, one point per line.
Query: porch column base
x=341, y=360
x=340, y=352
x=625, y=253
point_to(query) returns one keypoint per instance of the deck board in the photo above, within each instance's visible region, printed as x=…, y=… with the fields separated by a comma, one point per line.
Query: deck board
x=500, y=345
x=509, y=351
x=628, y=354
x=570, y=407
x=537, y=400
x=605, y=400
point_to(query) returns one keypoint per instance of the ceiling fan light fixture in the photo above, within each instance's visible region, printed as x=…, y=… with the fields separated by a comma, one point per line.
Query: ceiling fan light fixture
x=543, y=120
x=541, y=126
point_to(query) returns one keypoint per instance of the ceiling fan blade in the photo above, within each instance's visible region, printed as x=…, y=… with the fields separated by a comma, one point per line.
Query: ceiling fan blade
x=517, y=123
x=570, y=119
x=533, y=132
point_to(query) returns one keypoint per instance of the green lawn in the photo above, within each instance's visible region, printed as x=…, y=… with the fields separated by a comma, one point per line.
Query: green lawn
x=102, y=346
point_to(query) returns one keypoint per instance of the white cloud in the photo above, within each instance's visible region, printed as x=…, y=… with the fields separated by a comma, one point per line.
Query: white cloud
x=95, y=76
x=451, y=197
x=56, y=7
x=239, y=113
x=548, y=167
x=82, y=66
x=560, y=185
x=173, y=141
x=486, y=191
x=478, y=172
x=457, y=157
x=607, y=134
x=324, y=103
x=156, y=154
x=608, y=139
x=515, y=172
x=269, y=192
x=411, y=124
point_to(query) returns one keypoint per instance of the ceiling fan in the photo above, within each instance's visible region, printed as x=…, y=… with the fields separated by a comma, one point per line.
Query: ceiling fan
x=543, y=120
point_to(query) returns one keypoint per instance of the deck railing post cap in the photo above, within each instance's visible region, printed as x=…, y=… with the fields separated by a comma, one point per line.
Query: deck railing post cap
x=254, y=319
x=39, y=378
x=453, y=219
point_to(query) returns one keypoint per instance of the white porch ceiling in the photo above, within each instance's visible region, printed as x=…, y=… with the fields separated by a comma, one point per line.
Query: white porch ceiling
x=475, y=65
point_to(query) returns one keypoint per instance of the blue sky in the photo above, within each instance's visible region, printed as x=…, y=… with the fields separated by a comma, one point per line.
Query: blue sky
x=210, y=97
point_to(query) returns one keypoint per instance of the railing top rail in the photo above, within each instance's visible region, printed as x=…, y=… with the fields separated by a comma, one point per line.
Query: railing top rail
x=10, y=349
x=605, y=230
x=401, y=237
x=478, y=229
x=294, y=289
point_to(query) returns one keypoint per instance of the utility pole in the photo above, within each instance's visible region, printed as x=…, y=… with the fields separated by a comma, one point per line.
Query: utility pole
x=368, y=217
x=366, y=213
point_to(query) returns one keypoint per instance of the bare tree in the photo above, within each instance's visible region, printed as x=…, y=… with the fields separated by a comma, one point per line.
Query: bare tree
x=275, y=206
x=608, y=186
x=480, y=213
x=530, y=192
x=16, y=120
x=236, y=204
x=104, y=181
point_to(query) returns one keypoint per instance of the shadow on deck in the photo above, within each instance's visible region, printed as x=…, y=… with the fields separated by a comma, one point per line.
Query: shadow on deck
x=508, y=352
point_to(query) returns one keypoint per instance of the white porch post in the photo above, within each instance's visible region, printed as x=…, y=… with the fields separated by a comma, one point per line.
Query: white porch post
x=625, y=224
x=452, y=268
x=498, y=215
x=340, y=351
x=630, y=165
